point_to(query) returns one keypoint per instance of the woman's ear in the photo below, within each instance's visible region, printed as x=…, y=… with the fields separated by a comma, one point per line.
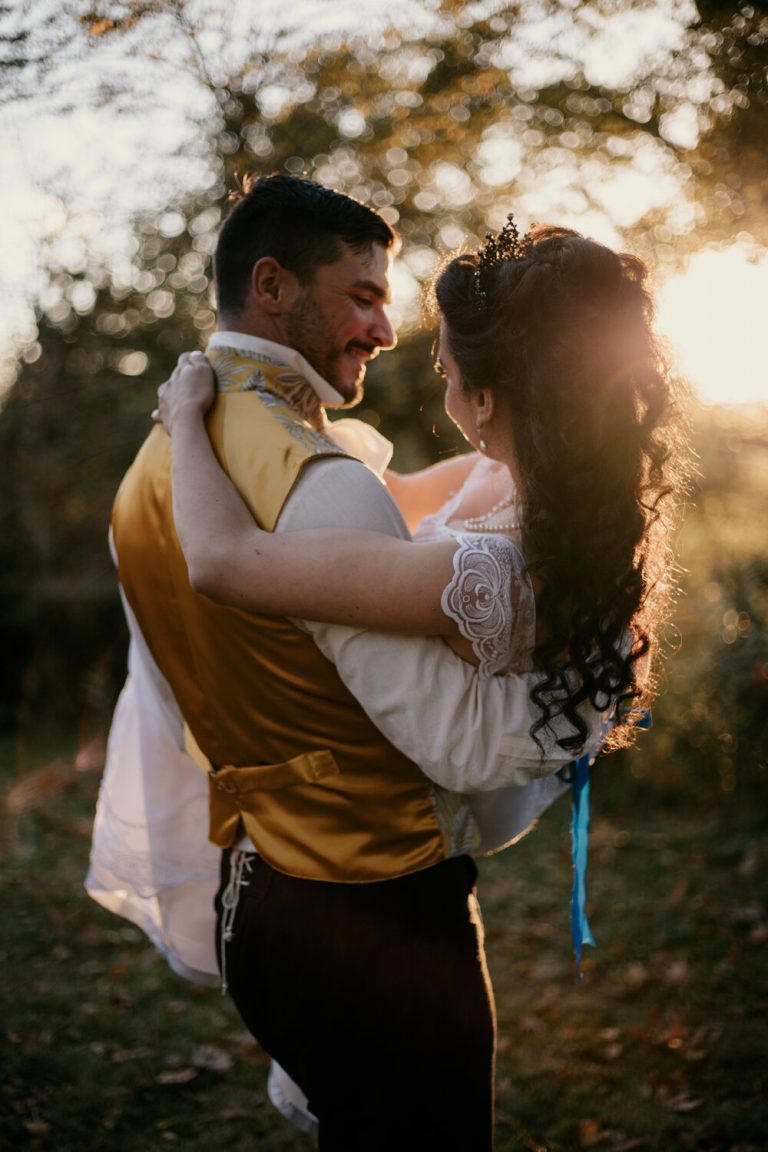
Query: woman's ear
x=482, y=400
x=274, y=288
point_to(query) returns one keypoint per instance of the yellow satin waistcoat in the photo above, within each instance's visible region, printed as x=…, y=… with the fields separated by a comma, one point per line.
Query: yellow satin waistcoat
x=296, y=761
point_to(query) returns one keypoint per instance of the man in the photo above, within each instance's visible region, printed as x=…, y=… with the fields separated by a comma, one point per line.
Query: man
x=349, y=934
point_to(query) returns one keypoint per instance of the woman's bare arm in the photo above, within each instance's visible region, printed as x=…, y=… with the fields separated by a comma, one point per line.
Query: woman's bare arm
x=419, y=494
x=354, y=578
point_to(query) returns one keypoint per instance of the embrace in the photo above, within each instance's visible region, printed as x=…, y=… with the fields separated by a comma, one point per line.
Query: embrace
x=371, y=710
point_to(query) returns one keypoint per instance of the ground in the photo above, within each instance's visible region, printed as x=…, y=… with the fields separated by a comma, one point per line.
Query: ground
x=663, y=1045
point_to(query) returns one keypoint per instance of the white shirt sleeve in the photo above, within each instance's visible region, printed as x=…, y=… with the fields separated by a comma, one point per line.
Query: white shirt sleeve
x=466, y=734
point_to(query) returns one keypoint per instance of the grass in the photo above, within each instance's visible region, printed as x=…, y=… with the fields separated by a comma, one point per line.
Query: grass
x=662, y=1047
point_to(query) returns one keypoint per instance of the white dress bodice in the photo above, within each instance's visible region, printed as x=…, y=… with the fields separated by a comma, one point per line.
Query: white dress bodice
x=490, y=596
x=491, y=600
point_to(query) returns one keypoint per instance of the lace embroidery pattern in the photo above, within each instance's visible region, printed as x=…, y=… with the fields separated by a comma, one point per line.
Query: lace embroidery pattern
x=491, y=600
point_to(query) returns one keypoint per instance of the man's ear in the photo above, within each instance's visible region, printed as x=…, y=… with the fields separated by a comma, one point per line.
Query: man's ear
x=274, y=288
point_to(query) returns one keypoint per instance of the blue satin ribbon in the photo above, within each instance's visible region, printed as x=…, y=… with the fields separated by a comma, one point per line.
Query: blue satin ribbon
x=581, y=933
x=578, y=771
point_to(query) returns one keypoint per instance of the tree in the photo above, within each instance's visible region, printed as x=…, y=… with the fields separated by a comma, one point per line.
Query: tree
x=729, y=165
x=441, y=123
x=69, y=430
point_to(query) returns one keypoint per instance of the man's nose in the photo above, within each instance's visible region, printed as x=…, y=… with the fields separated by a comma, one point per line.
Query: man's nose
x=383, y=332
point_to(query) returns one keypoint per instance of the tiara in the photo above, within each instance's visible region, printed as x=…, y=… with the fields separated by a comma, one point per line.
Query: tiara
x=498, y=249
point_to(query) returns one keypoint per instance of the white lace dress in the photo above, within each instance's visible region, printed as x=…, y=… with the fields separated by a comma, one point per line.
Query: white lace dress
x=491, y=600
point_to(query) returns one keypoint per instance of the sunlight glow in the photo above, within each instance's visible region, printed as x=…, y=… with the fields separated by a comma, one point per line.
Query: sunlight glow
x=714, y=315
x=70, y=186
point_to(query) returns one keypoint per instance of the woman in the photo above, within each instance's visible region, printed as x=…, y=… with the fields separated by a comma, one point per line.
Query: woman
x=551, y=550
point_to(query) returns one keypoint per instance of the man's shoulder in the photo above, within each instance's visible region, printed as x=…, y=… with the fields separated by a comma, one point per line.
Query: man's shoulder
x=237, y=420
x=341, y=492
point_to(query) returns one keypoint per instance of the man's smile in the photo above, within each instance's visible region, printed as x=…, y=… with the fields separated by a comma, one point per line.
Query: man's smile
x=362, y=352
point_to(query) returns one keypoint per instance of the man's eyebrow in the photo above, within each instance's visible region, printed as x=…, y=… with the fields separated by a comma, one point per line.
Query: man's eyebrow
x=375, y=290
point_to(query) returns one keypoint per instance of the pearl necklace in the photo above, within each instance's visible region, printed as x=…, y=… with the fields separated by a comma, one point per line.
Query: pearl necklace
x=477, y=523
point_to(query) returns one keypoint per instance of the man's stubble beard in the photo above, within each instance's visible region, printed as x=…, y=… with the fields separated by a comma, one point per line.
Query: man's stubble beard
x=308, y=332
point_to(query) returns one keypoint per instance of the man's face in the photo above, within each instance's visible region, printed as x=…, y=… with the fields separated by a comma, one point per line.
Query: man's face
x=339, y=321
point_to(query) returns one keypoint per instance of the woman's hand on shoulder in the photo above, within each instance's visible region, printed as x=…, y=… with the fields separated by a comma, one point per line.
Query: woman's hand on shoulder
x=190, y=391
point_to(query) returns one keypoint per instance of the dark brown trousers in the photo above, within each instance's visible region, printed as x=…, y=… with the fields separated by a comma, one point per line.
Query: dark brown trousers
x=375, y=999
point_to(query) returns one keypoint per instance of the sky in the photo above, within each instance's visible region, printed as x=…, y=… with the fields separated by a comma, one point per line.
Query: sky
x=715, y=315
x=54, y=193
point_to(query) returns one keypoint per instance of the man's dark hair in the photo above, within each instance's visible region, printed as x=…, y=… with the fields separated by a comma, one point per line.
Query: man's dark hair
x=297, y=222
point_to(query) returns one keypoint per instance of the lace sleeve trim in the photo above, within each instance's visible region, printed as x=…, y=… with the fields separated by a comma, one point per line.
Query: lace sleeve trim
x=491, y=600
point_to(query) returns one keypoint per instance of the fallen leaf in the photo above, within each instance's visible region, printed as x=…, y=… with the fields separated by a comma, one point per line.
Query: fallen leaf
x=678, y=893
x=677, y=972
x=212, y=1058
x=37, y=1127
x=33, y=789
x=124, y=1054
x=747, y=913
x=589, y=1133
x=238, y=1114
x=635, y=974
x=178, y=1076
x=684, y=1103
x=532, y=1024
x=750, y=861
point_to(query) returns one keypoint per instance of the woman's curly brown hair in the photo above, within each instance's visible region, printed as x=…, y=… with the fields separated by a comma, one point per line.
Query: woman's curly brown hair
x=562, y=330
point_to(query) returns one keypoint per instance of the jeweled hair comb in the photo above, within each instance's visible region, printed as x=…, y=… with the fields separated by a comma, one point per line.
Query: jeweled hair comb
x=498, y=249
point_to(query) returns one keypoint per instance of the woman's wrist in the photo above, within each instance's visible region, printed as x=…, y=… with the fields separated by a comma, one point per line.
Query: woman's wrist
x=188, y=417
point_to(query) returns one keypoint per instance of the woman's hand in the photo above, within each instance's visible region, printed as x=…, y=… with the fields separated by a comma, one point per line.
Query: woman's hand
x=190, y=391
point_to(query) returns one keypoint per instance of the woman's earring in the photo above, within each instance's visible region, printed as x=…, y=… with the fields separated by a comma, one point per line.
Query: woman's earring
x=483, y=446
